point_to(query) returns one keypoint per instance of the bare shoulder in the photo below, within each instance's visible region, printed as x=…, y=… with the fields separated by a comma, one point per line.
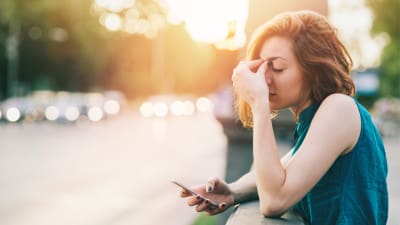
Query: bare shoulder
x=341, y=113
x=343, y=105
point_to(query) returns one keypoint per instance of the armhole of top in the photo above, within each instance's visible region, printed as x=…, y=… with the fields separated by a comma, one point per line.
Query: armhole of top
x=361, y=130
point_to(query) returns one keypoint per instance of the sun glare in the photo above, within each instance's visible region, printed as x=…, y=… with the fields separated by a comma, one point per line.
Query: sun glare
x=212, y=21
x=221, y=22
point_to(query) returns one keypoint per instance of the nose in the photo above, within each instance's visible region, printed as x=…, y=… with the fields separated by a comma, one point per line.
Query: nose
x=268, y=75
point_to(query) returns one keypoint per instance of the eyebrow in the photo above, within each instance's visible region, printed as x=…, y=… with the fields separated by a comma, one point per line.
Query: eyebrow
x=272, y=58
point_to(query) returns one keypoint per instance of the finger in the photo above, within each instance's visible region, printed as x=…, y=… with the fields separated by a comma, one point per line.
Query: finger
x=213, y=211
x=234, y=74
x=263, y=68
x=203, y=206
x=248, y=66
x=184, y=193
x=212, y=181
x=195, y=201
x=254, y=64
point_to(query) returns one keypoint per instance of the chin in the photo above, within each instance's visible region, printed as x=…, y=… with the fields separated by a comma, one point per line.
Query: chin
x=276, y=107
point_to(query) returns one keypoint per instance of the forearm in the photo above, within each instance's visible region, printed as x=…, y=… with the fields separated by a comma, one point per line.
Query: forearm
x=269, y=172
x=245, y=188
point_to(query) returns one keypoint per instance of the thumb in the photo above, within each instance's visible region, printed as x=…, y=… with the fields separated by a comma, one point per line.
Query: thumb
x=211, y=183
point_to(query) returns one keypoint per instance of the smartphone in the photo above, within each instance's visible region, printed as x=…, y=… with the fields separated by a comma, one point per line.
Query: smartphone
x=212, y=205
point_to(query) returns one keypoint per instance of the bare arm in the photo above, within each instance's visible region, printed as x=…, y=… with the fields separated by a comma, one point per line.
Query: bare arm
x=245, y=188
x=330, y=135
x=333, y=131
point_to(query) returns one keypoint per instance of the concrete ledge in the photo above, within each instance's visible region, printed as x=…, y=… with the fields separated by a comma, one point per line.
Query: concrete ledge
x=248, y=213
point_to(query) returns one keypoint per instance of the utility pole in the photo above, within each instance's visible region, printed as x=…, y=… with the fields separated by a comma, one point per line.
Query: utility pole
x=12, y=52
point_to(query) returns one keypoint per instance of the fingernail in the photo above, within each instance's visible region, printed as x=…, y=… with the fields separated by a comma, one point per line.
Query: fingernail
x=208, y=189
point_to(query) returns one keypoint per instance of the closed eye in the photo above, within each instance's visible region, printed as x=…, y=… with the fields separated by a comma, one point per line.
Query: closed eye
x=277, y=70
x=272, y=66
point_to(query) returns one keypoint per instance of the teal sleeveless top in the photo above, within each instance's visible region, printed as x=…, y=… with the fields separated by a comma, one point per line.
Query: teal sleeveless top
x=354, y=190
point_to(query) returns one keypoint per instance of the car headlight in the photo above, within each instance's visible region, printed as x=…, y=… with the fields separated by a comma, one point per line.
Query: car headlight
x=13, y=114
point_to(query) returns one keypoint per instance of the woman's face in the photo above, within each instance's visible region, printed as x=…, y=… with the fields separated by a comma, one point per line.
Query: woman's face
x=283, y=76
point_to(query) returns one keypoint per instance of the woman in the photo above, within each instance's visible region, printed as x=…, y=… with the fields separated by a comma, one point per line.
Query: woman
x=336, y=172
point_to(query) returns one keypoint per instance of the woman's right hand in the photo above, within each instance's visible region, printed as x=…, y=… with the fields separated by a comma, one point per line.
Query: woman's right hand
x=248, y=80
x=215, y=190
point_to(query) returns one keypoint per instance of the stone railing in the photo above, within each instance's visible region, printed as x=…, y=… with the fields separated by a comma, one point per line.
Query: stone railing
x=249, y=213
x=239, y=160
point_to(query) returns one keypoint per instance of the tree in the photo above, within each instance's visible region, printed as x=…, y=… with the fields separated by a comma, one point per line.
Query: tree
x=386, y=20
x=62, y=46
x=13, y=13
x=48, y=44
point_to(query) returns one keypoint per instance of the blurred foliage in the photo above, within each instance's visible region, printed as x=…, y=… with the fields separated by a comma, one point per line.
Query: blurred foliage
x=92, y=58
x=45, y=63
x=386, y=20
x=204, y=219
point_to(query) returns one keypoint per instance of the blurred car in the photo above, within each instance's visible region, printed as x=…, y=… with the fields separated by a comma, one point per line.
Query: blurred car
x=174, y=105
x=386, y=115
x=18, y=109
x=62, y=107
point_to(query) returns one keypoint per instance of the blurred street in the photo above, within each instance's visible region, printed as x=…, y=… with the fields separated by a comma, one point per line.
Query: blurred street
x=393, y=155
x=117, y=172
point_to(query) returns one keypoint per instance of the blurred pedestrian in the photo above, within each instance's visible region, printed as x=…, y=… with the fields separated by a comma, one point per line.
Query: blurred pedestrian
x=336, y=172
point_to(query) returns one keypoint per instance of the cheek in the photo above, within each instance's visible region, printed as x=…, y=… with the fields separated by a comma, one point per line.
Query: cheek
x=293, y=86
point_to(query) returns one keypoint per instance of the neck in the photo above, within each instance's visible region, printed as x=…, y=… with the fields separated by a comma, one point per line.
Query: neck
x=296, y=110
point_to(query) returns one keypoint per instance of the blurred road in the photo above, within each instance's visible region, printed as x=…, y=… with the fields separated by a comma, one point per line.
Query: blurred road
x=117, y=172
x=392, y=145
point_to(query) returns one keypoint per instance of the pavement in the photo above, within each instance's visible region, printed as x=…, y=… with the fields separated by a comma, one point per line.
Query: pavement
x=117, y=172
x=392, y=145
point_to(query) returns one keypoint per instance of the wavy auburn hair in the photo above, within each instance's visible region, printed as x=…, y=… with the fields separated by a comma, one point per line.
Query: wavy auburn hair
x=324, y=61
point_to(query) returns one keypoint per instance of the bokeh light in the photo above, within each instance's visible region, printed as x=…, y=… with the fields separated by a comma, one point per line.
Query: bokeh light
x=13, y=114
x=52, y=113
x=71, y=113
x=188, y=108
x=111, y=21
x=112, y=107
x=204, y=104
x=95, y=113
x=160, y=109
x=146, y=109
x=177, y=108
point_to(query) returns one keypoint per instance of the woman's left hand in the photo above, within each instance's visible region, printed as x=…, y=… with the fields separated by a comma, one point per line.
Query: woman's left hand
x=251, y=86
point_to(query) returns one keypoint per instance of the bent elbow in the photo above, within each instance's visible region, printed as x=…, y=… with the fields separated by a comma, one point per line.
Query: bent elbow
x=272, y=209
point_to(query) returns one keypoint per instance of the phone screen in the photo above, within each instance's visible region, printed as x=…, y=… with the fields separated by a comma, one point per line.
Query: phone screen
x=212, y=204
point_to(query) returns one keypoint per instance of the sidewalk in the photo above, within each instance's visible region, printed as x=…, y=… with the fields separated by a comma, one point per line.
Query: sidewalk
x=116, y=172
x=392, y=145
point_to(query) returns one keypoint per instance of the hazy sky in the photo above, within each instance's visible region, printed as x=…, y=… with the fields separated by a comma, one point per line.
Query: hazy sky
x=354, y=20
